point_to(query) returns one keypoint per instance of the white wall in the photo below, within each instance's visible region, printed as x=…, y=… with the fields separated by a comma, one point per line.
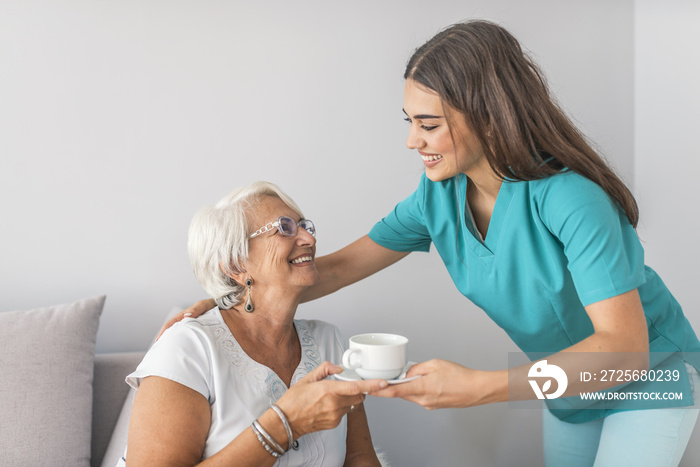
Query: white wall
x=667, y=154
x=119, y=119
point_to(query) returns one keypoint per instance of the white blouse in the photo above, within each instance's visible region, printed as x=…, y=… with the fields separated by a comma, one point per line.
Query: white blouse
x=203, y=355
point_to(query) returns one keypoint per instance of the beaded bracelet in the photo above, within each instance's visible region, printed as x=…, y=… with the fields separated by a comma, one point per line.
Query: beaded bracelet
x=258, y=430
x=264, y=444
x=290, y=437
x=269, y=438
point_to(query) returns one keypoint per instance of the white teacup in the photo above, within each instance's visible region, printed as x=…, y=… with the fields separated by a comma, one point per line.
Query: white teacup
x=376, y=355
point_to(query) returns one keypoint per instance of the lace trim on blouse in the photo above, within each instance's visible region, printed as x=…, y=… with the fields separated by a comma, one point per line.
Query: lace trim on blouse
x=257, y=374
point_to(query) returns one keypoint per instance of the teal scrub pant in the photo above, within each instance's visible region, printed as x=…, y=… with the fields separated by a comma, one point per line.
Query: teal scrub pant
x=639, y=438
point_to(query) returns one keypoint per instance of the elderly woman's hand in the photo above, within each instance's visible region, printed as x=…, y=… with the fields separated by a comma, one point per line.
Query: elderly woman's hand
x=315, y=404
x=198, y=309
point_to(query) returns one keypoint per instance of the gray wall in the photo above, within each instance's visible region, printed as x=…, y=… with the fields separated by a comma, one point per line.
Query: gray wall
x=119, y=119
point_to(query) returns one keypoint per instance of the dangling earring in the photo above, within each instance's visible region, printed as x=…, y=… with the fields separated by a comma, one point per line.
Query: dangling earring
x=249, y=307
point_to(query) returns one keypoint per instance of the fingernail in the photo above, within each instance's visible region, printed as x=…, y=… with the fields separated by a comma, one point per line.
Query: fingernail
x=186, y=315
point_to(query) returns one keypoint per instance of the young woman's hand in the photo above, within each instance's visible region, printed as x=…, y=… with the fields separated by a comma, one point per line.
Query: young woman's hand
x=444, y=384
x=315, y=404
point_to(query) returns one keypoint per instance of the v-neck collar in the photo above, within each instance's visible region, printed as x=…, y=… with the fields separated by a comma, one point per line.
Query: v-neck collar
x=261, y=375
x=487, y=247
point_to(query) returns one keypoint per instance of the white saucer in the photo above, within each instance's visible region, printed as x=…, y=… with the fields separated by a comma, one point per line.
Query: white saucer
x=351, y=375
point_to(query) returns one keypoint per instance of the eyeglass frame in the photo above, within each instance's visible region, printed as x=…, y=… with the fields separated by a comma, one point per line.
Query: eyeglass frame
x=276, y=224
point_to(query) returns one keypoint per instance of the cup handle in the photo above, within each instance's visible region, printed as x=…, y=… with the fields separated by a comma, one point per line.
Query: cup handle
x=351, y=359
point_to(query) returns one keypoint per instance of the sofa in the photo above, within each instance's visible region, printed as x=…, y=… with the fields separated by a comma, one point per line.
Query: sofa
x=60, y=403
x=63, y=405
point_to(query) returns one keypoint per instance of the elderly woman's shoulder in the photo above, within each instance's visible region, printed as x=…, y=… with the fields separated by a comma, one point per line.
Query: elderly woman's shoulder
x=210, y=318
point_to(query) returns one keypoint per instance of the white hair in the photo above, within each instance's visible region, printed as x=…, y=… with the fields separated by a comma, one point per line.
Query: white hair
x=218, y=235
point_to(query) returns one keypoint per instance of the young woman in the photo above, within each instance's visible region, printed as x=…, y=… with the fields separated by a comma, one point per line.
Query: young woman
x=539, y=232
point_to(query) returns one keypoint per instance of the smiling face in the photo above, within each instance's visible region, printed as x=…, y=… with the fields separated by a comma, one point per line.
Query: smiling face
x=430, y=134
x=275, y=260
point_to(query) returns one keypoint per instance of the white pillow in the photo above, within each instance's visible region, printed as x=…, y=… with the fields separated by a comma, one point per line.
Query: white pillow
x=47, y=362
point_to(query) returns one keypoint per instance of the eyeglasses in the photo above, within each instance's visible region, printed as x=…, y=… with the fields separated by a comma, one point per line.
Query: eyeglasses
x=287, y=227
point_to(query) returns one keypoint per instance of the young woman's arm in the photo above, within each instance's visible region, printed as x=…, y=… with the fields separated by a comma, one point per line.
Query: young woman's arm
x=620, y=341
x=359, y=260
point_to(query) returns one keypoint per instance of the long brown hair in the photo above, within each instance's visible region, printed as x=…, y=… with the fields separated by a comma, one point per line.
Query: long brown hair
x=480, y=69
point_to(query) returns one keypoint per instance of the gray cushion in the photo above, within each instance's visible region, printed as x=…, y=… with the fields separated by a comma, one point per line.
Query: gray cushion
x=47, y=357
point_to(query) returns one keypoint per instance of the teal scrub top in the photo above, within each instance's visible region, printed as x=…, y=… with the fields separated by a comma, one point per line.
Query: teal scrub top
x=553, y=246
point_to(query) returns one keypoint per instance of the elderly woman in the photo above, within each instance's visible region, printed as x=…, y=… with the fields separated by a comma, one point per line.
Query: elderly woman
x=245, y=384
